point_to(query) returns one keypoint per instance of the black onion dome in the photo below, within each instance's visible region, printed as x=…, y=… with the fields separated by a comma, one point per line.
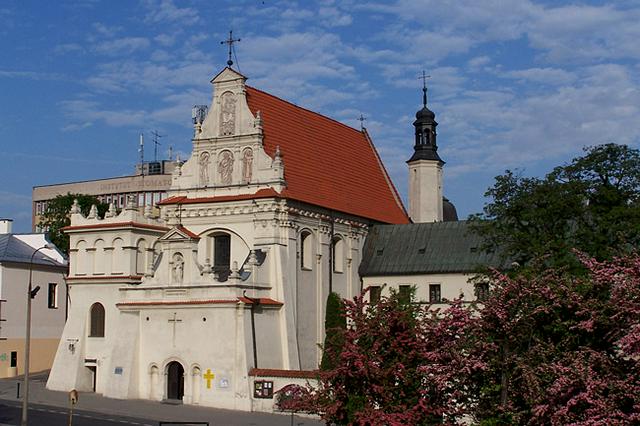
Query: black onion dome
x=425, y=113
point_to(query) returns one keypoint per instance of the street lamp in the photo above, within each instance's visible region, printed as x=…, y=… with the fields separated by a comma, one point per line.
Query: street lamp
x=31, y=293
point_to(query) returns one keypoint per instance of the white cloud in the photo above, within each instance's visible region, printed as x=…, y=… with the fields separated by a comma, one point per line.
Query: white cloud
x=548, y=75
x=165, y=39
x=478, y=62
x=332, y=17
x=106, y=30
x=580, y=32
x=122, y=46
x=30, y=75
x=82, y=111
x=166, y=11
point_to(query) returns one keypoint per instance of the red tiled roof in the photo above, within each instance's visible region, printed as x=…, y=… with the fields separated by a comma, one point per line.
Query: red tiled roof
x=181, y=199
x=326, y=163
x=189, y=233
x=261, y=301
x=272, y=372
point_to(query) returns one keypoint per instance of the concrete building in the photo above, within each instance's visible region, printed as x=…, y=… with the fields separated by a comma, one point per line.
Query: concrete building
x=48, y=307
x=216, y=299
x=148, y=186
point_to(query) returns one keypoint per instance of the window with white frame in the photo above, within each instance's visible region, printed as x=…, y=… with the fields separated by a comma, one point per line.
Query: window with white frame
x=337, y=254
x=435, y=295
x=306, y=250
x=52, y=300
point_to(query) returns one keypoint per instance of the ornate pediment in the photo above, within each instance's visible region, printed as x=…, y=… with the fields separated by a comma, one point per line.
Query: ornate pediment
x=179, y=234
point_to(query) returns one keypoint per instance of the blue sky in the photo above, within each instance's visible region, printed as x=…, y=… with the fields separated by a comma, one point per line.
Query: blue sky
x=515, y=84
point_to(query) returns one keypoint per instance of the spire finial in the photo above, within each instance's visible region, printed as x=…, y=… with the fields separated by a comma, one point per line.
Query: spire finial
x=424, y=78
x=362, y=119
x=230, y=42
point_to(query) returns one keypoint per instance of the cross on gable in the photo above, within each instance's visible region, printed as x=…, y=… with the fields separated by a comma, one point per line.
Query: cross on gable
x=362, y=120
x=230, y=42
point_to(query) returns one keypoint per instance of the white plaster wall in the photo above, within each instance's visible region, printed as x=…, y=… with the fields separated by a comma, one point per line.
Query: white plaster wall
x=451, y=285
x=217, y=343
x=425, y=191
x=63, y=375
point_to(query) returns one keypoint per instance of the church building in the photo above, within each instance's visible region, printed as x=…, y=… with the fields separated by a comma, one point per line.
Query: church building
x=229, y=281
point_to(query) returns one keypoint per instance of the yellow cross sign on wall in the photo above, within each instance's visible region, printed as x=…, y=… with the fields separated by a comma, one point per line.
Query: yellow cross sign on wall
x=209, y=376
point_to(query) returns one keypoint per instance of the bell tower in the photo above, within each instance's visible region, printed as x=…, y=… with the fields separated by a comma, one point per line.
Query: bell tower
x=425, y=167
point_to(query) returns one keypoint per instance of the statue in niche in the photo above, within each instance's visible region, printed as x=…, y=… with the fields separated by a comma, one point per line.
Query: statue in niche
x=228, y=114
x=225, y=167
x=247, y=165
x=178, y=268
x=204, y=168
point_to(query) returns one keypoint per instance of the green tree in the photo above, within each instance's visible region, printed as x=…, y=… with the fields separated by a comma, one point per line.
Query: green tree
x=57, y=216
x=335, y=325
x=590, y=204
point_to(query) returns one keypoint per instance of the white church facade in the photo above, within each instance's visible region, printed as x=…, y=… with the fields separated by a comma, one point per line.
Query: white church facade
x=229, y=281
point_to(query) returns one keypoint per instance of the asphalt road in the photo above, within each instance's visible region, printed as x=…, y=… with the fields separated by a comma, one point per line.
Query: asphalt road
x=11, y=414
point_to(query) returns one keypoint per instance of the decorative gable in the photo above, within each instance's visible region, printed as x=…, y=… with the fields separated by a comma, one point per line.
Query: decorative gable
x=228, y=156
x=178, y=234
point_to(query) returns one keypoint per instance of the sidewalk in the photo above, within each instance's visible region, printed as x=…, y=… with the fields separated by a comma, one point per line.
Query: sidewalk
x=148, y=410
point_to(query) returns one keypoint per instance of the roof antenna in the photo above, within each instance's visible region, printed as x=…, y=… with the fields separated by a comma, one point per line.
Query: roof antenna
x=424, y=78
x=141, y=151
x=156, y=135
x=230, y=42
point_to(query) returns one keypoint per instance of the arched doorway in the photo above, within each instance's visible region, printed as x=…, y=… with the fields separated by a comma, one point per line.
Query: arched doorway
x=175, y=381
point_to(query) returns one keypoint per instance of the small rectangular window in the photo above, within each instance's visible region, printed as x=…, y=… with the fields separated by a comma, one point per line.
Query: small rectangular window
x=482, y=291
x=53, y=296
x=434, y=293
x=141, y=199
x=14, y=359
x=374, y=294
x=405, y=293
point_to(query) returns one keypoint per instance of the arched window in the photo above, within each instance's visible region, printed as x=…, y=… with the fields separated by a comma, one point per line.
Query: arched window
x=98, y=263
x=81, y=257
x=141, y=257
x=117, y=259
x=306, y=250
x=337, y=255
x=96, y=320
x=222, y=255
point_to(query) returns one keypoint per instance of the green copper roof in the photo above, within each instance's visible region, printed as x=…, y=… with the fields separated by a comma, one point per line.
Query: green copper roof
x=422, y=248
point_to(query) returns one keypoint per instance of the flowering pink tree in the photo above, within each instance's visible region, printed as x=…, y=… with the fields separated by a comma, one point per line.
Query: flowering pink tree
x=562, y=349
x=547, y=347
x=400, y=364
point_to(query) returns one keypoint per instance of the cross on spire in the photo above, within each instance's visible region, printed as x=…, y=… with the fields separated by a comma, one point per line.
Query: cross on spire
x=361, y=120
x=230, y=42
x=424, y=78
